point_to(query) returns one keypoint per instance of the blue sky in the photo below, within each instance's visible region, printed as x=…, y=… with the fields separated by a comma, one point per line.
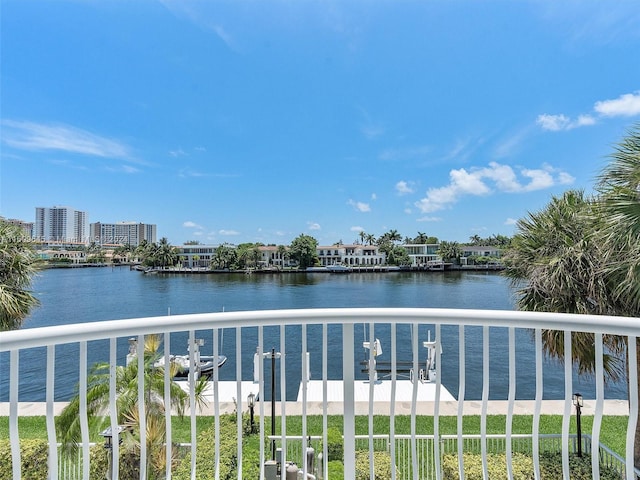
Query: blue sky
x=256, y=121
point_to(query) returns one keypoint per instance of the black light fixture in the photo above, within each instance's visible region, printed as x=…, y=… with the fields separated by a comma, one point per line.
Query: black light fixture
x=251, y=401
x=578, y=402
x=108, y=444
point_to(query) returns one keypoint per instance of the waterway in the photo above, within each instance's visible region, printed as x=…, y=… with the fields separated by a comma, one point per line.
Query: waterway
x=97, y=294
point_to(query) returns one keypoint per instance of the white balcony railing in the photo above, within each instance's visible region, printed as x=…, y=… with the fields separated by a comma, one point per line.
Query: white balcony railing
x=311, y=328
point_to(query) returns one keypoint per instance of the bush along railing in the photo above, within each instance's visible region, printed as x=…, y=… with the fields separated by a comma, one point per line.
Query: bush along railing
x=612, y=466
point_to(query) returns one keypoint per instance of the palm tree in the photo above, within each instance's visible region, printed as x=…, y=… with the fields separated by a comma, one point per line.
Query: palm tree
x=555, y=263
x=619, y=186
x=421, y=238
x=68, y=422
x=166, y=254
x=224, y=257
x=370, y=238
x=583, y=256
x=394, y=236
x=18, y=264
x=450, y=251
x=475, y=239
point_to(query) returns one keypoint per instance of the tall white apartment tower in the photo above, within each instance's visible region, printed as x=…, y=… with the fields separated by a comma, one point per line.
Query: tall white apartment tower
x=122, y=233
x=61, y=224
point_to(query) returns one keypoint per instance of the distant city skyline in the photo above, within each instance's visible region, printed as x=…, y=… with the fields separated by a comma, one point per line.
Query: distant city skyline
x=233, y=122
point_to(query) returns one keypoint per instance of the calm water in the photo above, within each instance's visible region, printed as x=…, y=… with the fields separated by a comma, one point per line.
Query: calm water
x=98, y=294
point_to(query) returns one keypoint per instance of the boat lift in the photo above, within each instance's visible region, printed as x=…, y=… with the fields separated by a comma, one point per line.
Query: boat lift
x=403, y=368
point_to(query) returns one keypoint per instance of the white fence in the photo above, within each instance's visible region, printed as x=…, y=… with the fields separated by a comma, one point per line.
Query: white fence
x=313, y=326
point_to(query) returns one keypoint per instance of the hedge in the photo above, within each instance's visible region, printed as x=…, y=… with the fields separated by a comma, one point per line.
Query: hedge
x=205, y=454
x=550, y=467
x=33, y=454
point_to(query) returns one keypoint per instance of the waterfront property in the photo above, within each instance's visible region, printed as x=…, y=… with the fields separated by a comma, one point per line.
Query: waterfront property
x=411, y=456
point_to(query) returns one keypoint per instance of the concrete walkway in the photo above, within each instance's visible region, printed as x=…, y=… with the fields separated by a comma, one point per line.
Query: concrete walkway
x=449, y=408
x=228, y=391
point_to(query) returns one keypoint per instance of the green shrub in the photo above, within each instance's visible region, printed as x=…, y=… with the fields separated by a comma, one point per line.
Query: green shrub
x=335, y=447
x=128, y=468
x=335, y=470
x=550, y=467
x=580, y=467
x=381, y=463
x=205, y=455
x=33, y=454
x=496, y=466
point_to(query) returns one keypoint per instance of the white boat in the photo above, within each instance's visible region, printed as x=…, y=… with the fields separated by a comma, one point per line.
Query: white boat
x=205, y=365
x=338, y=268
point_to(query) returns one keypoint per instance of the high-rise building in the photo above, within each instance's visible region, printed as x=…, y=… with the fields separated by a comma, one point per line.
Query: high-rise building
x=26, y=226
x=122, y=233
x=61, y=224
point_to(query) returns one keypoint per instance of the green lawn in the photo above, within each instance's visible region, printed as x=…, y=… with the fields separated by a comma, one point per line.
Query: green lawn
x=613, y=432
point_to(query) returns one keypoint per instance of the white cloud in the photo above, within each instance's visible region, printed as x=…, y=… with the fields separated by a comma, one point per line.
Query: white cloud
x=374, y=196
x=43, y=137
x=552, y=122
x=510, y=221
x=556, y=123
x=429, y=219
x=585, y=120
x=313, y=226
x=190, y=224
x=359, y=206
x=178, y=153
x=484, y=181
x=228, y=232
x=626, y=105
x=404, y=188
x=356, y=229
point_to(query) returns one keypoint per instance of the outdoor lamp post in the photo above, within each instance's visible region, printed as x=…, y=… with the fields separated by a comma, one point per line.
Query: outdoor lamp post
x=251, y=401
x=108, y=444
x=577, y=401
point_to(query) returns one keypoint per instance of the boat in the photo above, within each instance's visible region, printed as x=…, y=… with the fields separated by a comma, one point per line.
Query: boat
x=338, y=268
x=205, y=365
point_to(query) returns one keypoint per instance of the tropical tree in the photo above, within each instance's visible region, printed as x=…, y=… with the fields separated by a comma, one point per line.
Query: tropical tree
x=283, y=253
x=619, y=187
x=303, y=249
x=166, y=254
x=556, y=265
x=370, y=239
x=421, y=238
x=123, y=252
x=68, y=422
x=582, y=255
x=398, y=255
x=224, y=257
x=18, y=265
x=450, y=251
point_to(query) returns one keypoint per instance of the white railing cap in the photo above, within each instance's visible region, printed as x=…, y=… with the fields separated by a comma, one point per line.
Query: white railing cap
x=68, y=333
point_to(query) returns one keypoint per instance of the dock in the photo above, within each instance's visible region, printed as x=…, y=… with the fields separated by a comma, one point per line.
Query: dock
x=425, y=404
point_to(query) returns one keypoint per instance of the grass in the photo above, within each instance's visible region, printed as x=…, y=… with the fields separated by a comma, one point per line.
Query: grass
x=612, y=433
